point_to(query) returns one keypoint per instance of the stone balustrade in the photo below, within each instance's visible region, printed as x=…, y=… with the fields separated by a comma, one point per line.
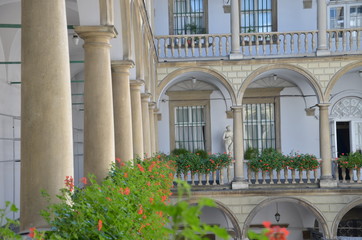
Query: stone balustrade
x=256, y=45
x=282, y=177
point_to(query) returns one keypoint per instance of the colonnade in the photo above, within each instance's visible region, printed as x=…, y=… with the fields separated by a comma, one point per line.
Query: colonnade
x=115, y=111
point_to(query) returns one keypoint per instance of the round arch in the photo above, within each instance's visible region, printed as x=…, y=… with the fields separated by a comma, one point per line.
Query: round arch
x=338, y=75
x=228, y=213
x=298, y=201
x=169, y=80
x=311, y=80
x=341, y=214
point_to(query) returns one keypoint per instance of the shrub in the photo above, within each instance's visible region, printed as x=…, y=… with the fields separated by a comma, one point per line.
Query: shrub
x=351, y=160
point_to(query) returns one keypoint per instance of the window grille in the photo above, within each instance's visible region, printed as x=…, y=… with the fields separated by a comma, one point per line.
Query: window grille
x=256, y=16
x=190, y=127
x=259, y=126
x=188, y=17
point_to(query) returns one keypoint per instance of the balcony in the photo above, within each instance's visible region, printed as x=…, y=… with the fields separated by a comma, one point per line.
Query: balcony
x=285, y=178
x=256, y=45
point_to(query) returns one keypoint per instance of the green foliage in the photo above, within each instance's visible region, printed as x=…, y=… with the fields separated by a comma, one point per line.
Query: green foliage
x=303, y=162
x=271, y=159
x=351, y=160
x=6, y=223
x=185, y=219
x=251, y=153
x=200, y=163
x=202, y=153
x=120, y=207
x=179, y=151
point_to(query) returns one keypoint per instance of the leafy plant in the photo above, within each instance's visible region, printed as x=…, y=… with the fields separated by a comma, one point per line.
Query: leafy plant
x=251, y=153
x=6, y=224
x=120, y=207
x=269, y=233
x=185, y=220
x=179, y=151
x=351, y=160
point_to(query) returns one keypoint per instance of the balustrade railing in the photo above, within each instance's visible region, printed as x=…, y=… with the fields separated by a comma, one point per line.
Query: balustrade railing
x=256, y=45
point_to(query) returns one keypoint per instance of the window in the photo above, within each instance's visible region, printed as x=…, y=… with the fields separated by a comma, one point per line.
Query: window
x=258, y=16
x=190, y=120
x=190, y=127
x=259, y=126
x=346, y=15
x=261, y=118
x=188, y=17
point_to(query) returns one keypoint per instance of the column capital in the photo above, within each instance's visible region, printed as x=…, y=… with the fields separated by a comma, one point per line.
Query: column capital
x=152, y=105
x=236, y=108
x=145, y=97
x=136, y=83
x=122, y=66
x=90, y=31
x=323, y=105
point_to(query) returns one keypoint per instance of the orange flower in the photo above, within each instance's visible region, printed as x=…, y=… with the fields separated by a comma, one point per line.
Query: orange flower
x=127, y=191
x=126, y=175
x=100, y=224
x=140, y=167
x=140, y=210
x=32, y=233
x=83, y=180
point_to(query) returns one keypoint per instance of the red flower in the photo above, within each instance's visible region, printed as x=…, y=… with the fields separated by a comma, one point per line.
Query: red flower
x=100, y=224
x=163, y=198
x=83, y=180
x=69, y=182
x=140, y=210
x=32, y=233
x=118, y=160
x=140, y=167
x=127, y=191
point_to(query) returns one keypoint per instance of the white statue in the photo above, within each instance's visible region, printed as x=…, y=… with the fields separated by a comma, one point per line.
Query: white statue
x=228, y=140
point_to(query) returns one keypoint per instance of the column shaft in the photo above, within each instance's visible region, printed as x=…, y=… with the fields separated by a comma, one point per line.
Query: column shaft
x=122, y=110
x=137, y=128
x=99, y=150
x=325, y=144
x=322, y=25
x=156, y=114
x=146, y=124
x=46, y=125
x=235, y=27
x=152, y=129
x=238, y=144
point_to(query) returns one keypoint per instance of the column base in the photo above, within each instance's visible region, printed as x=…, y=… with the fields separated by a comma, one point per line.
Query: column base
x=239, y=185
x=235, y=56
x=328, y=183
x=322, y=52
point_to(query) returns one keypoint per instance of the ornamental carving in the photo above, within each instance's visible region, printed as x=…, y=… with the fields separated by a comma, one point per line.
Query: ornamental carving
x=348, y=107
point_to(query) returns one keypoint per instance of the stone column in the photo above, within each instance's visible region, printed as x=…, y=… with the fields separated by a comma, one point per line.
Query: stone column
x=146, y=124
x=325, y=147
x=235, y=30
x=46, y=120
x=239, y=179
x=122, y=109
x=322, y=28
x=99, y=150
x=137, y=128
x=151, y=107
